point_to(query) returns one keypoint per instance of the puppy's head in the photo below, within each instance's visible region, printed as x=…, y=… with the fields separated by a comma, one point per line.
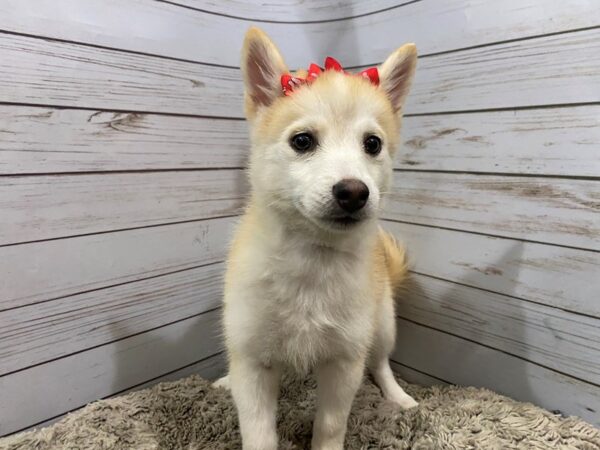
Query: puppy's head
x=322, y=156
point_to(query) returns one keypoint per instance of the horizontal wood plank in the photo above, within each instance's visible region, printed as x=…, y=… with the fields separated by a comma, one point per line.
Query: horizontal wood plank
x=39, y=333
x=414, y=376
x=210, y=368
x=555, y=276
x=71, y=382
x=49, y=270
x=544, y=71
x=291, y=10
x=562, y=69
x=556, y=211
x=40, y=72
x=52, y=206
x=563, y=341
x=548, y=141
x=148, y=26
x=466, y=363
x=45, y=140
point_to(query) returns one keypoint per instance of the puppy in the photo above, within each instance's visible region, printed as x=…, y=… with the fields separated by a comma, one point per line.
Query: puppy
x=310, y=276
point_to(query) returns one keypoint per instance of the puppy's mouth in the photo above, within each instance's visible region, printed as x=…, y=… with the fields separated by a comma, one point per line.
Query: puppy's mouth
x=342, y=222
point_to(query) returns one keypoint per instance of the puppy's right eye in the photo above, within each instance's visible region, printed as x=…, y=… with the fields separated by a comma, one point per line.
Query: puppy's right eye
x=303, y=142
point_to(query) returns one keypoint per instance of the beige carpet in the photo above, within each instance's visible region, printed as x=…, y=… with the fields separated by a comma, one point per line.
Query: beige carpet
x=189, y=414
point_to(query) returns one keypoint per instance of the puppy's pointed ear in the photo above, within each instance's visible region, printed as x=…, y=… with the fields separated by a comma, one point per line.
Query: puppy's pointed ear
x=262, y=67
x=396, y=74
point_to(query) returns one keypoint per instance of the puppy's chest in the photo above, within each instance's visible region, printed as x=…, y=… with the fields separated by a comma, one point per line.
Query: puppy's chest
x=315, y=304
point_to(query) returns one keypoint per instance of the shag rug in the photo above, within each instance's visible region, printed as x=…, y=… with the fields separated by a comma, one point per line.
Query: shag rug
x=189, y=414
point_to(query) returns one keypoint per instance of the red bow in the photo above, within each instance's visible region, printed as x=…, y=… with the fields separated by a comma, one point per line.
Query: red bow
x=290, y=82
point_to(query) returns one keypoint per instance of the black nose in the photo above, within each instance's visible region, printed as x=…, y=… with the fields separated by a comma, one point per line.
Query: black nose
x=351, y=194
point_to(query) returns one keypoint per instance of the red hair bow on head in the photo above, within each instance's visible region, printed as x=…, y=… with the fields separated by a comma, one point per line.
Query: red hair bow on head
x=290, y=82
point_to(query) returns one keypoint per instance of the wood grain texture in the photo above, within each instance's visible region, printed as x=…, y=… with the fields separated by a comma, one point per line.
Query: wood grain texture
x=38, y=333
x=148, y=26
x=555, y=276
x=548, y=141
x=556, y=211
x=291, y=10
x=466, y=363
x=44, y=140
x=52, y=206
x=544, y=71
x=53, y=269
x=563, y=341
x=71, y=382
x=210, y=368
x=553, y=141
x=414, y=376
x=36, y=71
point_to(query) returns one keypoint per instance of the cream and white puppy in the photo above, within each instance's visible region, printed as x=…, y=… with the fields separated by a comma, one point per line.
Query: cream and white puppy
x=310, y=276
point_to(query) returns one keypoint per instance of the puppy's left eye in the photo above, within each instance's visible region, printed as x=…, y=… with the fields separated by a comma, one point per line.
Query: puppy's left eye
x=372, y=145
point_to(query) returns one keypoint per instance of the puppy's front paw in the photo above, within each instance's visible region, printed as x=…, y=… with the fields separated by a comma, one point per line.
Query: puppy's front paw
x=222, y=383
x=405, y=401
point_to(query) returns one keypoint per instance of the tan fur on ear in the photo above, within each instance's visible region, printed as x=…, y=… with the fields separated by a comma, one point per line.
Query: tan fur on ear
x=262, y=67
x=396, y=74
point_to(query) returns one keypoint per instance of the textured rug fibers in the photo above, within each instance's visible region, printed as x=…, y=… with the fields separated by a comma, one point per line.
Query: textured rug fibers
x=189, y=414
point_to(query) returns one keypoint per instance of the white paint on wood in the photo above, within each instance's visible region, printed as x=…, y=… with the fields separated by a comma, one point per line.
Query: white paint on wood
x=38, y=333
x=543, y=71
x=556, y=211
x=53, y=388
x=40, y=72
x=562, y=69
x=414, y=376
x=548, y=141
x=466, y=363
x=170, y=30
x=563, y=341
x=52, y=269
x=44, y=140
x=556, y=276
x=67, y=205
x=210, y=368
x=292, y=10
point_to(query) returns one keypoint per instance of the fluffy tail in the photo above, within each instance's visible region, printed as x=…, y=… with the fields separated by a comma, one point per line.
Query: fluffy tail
x=395, y=259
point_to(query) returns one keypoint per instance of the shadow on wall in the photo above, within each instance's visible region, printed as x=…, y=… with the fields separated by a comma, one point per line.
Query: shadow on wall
x=458, y=360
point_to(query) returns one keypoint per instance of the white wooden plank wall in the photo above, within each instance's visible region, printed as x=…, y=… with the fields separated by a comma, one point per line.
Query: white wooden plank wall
x=121, y=144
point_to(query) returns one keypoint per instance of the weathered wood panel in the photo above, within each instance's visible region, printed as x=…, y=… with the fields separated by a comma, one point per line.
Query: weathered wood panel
x=548, y=141
x=49, y=270
x=556, y=211
x=466, y=363
x=556, y=276
x=67, y=382
x=38, y=333
x=210, y=368
x=291, y=10
x=44, y=140
x=67, y=205
x=543, y=71
x=147, y=26
x=563, y=341
x=36, y=71
x=414, y=376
